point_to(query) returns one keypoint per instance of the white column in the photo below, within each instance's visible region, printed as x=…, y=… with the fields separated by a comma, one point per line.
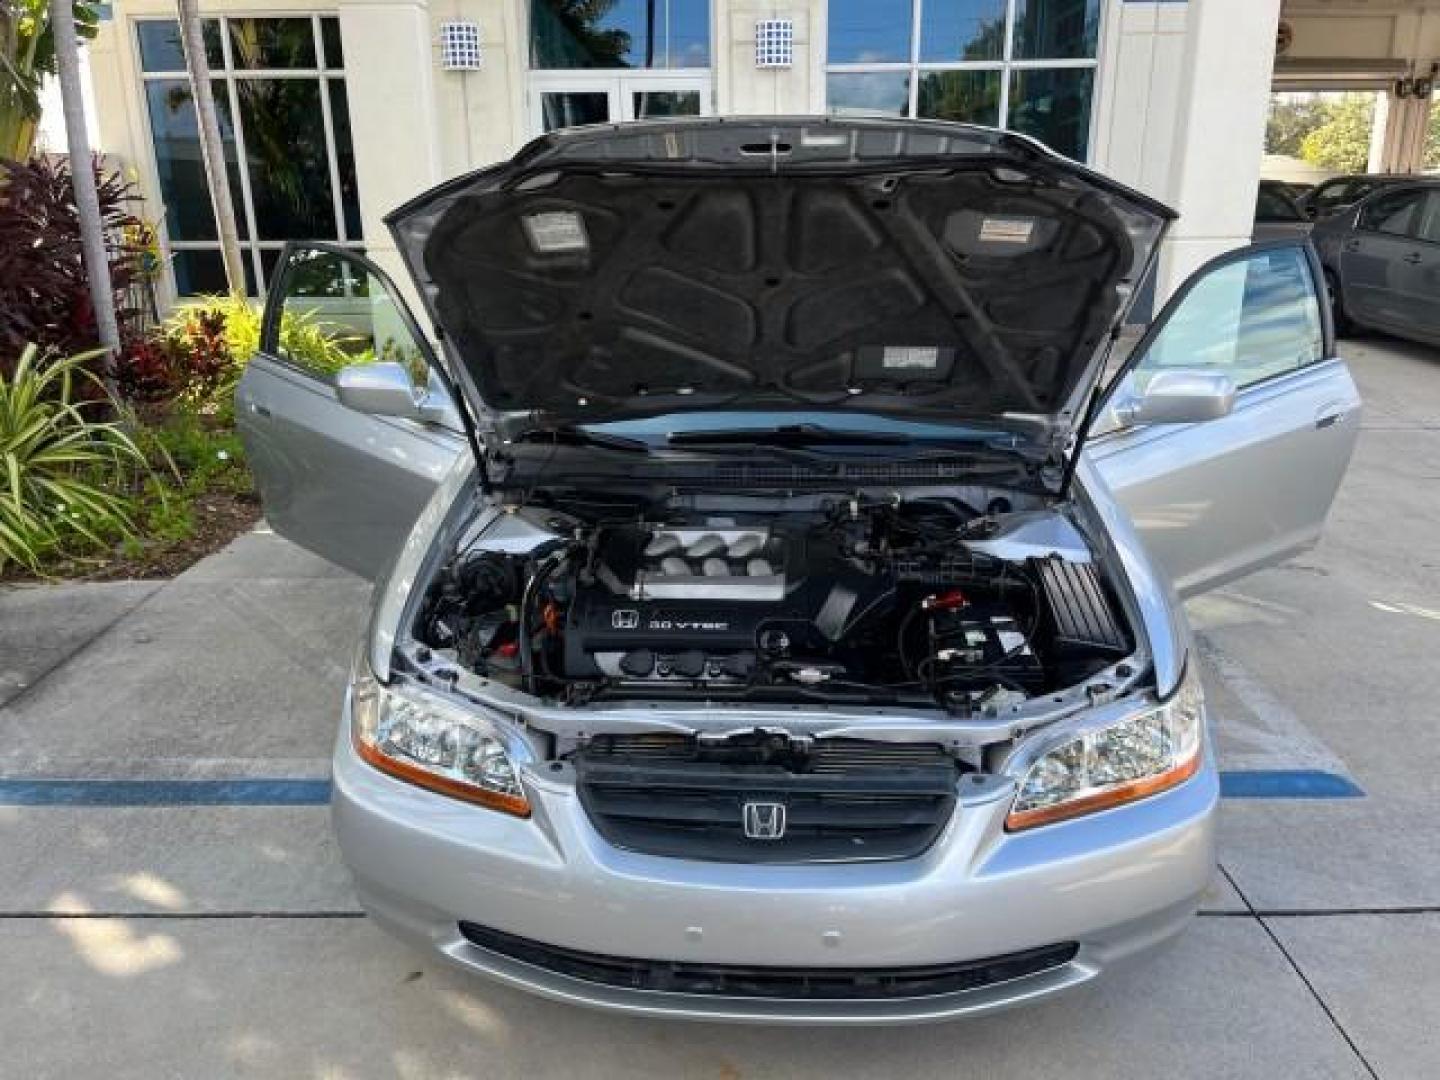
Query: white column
x=1220, y=132
x=741, y=88
x=1398, y=140
x=390, y=83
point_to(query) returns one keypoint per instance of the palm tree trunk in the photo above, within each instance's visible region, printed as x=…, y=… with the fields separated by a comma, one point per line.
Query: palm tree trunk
x=211, y=148
x=82, y=172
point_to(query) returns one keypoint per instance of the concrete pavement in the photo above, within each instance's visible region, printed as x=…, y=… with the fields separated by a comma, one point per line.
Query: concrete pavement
x=225, y=941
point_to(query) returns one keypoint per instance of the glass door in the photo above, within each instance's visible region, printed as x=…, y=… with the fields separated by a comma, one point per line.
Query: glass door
x=569, y=99
x=565, y=99
x=657, y=95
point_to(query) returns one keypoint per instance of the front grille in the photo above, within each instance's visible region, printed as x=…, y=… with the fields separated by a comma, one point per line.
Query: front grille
x=733, y=980
x=843, y=800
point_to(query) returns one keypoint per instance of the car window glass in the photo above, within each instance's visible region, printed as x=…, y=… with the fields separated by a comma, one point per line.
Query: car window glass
x=1271, y=205
x=1430, y=218
x=334, y=312
x=1330, y=193
x=1396, y=213
x=1253, y=318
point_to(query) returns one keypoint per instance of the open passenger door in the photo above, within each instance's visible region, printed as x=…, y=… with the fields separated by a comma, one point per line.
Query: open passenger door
x=1214, y=500
x=343, y=483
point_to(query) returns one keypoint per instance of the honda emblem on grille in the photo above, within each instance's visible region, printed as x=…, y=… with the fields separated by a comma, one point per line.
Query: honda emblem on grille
x=764, y=820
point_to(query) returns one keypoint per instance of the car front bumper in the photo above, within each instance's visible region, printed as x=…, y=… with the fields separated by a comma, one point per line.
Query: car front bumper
x=1116, y=883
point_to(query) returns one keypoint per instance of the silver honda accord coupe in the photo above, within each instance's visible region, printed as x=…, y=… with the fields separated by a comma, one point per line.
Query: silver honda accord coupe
x=778, y=566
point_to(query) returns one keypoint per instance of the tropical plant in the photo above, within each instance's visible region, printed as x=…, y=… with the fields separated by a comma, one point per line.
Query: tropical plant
x=145, y=371
x=1342, y=140
x=27, y=55
x=1292, y=117
x=61, y=472
x=44, y=295
x=212, y=339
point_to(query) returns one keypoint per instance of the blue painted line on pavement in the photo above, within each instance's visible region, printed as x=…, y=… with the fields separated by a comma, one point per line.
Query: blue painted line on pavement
x=260, y=792
x=1257, y=784
x=1288, y=784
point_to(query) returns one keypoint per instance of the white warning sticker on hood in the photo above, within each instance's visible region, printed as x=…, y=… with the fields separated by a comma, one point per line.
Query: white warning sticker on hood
x=910, y=357
x=1007, y=230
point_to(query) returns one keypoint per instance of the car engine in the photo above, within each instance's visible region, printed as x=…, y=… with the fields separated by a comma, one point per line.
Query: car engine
x=891, y=601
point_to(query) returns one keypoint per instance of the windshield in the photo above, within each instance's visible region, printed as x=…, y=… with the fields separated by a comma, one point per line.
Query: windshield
x=658, y=429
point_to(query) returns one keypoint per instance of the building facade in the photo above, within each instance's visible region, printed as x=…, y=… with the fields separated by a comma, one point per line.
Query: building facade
x=335, y=113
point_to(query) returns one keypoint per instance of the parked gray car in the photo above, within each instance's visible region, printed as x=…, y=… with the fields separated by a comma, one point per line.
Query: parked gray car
x=1382, y=261
x=1342, y=192
x=776, y=619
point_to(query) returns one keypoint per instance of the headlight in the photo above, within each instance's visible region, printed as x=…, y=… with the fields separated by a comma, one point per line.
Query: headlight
x=416, y=736
x=1128, y=759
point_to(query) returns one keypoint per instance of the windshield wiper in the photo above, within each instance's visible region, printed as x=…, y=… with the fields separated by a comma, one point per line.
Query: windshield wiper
x=797, y=435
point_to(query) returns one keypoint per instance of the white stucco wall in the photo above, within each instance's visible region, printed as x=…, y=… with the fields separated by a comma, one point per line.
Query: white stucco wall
x=741, y=88
x=1180, y=100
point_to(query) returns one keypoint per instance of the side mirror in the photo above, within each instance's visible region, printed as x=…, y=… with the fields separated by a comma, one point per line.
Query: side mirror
x=1179, y=396
x=386, y=389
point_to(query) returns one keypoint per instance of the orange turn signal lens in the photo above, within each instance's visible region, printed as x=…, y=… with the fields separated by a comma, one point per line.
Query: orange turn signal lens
x=1103, y=799
x=1109, y=762
x=443, y=785
x=441, y=745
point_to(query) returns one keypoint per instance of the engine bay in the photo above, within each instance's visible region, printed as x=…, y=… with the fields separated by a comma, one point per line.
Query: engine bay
x=860, y=600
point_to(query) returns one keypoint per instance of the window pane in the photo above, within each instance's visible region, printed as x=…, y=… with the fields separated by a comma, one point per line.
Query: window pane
x=345, y=158
x=179, y=163
x=330, y=38
x=1252, y=319
x=962, y=30
x=1330, y=193
x=1397, y=213
x=272, y=43
x=619, y=34
x=160, y=48
x=1054, y=107
x=969, y=96
x=1430, y=222
x=356, y=319
x=1272, y=206
x=869, y=93
x=201, y=273
x=198, y=272
x=285, y=152
x=653, y=104
x=565, y=109
x=1056, y=29
x=869, y=31
x=269, y=257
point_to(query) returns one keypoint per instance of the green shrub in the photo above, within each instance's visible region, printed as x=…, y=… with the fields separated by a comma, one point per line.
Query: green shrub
x=61, y=471
x=215, y=337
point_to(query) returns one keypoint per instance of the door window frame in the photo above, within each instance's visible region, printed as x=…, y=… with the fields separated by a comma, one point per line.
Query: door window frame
x=1427, y=195
x=275, y=306
x=1243, y=394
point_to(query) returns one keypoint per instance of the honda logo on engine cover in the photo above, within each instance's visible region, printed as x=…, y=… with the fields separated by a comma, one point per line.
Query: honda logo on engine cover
x=764, y=820
x=625, y=619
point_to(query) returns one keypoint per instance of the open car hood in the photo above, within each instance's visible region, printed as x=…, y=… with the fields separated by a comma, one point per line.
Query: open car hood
x=906, y=268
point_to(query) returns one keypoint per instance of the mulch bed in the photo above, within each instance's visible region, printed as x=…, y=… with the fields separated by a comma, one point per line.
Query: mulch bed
x=220, y=516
